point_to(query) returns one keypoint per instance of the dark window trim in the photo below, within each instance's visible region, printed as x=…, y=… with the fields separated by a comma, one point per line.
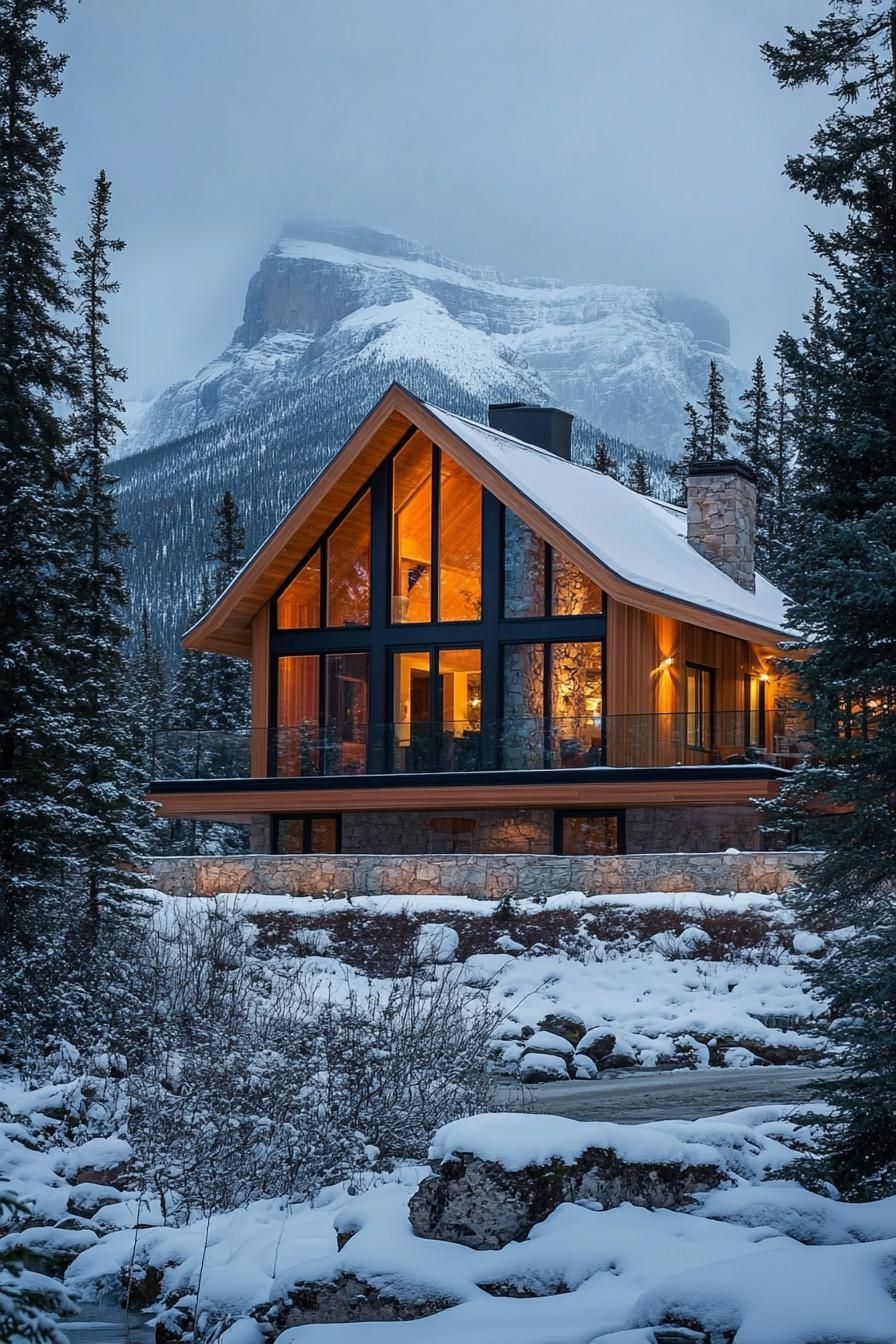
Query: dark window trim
x=762, y=742
x=701, y=712
x=561, y=815
x=321, y=544
x=306, y=819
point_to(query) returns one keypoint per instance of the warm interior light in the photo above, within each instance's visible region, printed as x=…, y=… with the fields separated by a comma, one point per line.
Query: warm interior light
x=667, y=662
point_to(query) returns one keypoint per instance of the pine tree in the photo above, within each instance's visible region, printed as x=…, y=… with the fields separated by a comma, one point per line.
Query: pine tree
x=148, y=682
x=707, y=426
x=604, y=461
x=638, y=475
x=35, y=375
x=716, y=419
x=229, y=691
x=105, y=779
x=842, y=575
x=755, y=436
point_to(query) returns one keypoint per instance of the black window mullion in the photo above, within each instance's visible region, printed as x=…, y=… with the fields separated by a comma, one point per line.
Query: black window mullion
x=435, y=582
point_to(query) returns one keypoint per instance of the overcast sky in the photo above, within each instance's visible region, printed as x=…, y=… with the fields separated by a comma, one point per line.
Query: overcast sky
x=637, y=141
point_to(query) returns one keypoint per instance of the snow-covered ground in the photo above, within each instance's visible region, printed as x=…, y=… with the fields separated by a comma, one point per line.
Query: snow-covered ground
x=688, y=980
x=648, y=979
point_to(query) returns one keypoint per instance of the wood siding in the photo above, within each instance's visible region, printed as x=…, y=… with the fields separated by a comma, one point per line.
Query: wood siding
x=641, y=681
x=261, y=691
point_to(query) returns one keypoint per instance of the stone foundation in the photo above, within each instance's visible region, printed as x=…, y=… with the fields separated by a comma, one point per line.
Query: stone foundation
x=494, y=831
x=488, y=876
x=652, y=830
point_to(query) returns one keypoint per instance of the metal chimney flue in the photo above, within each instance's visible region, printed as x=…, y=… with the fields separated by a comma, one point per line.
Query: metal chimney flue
x=544, y=426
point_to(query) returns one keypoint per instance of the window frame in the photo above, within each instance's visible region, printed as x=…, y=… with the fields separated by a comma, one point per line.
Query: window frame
x=563, y=814
x=761, y=741
x=701, y=714
x=306, y=818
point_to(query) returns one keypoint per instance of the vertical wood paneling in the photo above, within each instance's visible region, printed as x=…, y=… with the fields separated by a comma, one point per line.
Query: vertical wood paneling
x=261, y=690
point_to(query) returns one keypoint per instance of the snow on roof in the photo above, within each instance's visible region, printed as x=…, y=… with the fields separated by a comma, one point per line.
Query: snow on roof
x=642, y=540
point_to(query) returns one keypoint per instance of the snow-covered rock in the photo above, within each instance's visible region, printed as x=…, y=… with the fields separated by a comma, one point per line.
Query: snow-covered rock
x=436, y=944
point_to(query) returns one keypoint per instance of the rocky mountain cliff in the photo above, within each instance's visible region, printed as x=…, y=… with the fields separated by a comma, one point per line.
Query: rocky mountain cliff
x=332, y=316
x=331, y=298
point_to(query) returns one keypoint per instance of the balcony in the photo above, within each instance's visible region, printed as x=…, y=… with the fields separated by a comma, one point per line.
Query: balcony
x=618, y=741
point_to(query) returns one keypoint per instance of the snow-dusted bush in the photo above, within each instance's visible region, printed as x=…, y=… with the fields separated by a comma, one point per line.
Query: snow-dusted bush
x=261, y=1077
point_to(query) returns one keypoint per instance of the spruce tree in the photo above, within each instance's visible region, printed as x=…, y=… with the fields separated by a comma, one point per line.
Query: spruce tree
x=755, y=436
x=148, y=683
x=694, y=451
x=229, y=690
x=604, y=461
x=35, y=376
x=639, y=475
x=842, y=576
x=104, y=767
x=716, y=419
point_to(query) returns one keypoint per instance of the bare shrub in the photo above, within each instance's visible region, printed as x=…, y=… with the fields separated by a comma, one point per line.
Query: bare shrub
x=259, y=1082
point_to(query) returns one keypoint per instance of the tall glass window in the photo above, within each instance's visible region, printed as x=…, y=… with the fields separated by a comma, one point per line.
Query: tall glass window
x=572, y=592
x=459, y=697
x=524, y=567
x=412, y=533
x=699, y=707
x=576, y=692
x=411, y=711
x=755, y=704
x=298, y=606
x=345, y=713
x=460, y=544
x=348, y=568
x=298, y=707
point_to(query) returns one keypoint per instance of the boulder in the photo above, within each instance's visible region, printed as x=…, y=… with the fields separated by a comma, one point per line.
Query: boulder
x=549, y=1043
x=535, y=1067
x=481, y=1203
x=617, y=1061
x=436, y=944
x=583, y=1066
x=141, y=1285
x=88, y=1197
x=568, y=1025
x=97, y=1162
x=347, y=1300
x=596, y=1043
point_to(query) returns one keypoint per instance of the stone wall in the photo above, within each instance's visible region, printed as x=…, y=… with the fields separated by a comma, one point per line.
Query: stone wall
x=516, y=830
x=654, y=830
x=480, y=875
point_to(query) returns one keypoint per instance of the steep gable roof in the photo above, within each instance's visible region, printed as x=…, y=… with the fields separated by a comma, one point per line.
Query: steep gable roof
x=636, y=548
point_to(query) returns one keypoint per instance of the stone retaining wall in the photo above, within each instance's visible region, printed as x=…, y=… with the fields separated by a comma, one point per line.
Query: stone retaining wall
x=480, y=875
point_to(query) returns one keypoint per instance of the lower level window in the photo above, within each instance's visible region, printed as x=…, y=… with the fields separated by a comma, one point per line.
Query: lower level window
x=308, y=834
x=589, y=833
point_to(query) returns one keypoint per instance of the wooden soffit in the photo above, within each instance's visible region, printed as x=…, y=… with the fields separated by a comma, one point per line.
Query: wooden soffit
x=226, y=626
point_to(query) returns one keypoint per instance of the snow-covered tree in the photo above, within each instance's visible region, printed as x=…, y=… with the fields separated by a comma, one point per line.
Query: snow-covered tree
x=639, y=475
x=604, y=461
x=842, y=574
x=708, y=424
x=755, y=436
x=106, y=776
x=35, y=376
x=230, y=676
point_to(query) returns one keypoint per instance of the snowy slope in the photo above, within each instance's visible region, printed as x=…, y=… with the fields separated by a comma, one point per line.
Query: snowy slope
x=329, y=297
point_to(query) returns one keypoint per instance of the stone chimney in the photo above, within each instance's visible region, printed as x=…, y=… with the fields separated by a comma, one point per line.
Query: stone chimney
x=722, y=516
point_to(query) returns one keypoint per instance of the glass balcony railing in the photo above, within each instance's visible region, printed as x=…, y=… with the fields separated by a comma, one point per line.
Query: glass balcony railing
x=625, y=740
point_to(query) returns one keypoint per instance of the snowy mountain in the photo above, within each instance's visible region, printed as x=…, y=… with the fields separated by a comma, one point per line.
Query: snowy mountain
x=332, y=298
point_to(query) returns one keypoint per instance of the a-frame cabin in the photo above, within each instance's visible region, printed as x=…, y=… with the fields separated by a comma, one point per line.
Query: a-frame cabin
x=461, y=639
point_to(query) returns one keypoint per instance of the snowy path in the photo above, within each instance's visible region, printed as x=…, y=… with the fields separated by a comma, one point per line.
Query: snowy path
x=677, y=1094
